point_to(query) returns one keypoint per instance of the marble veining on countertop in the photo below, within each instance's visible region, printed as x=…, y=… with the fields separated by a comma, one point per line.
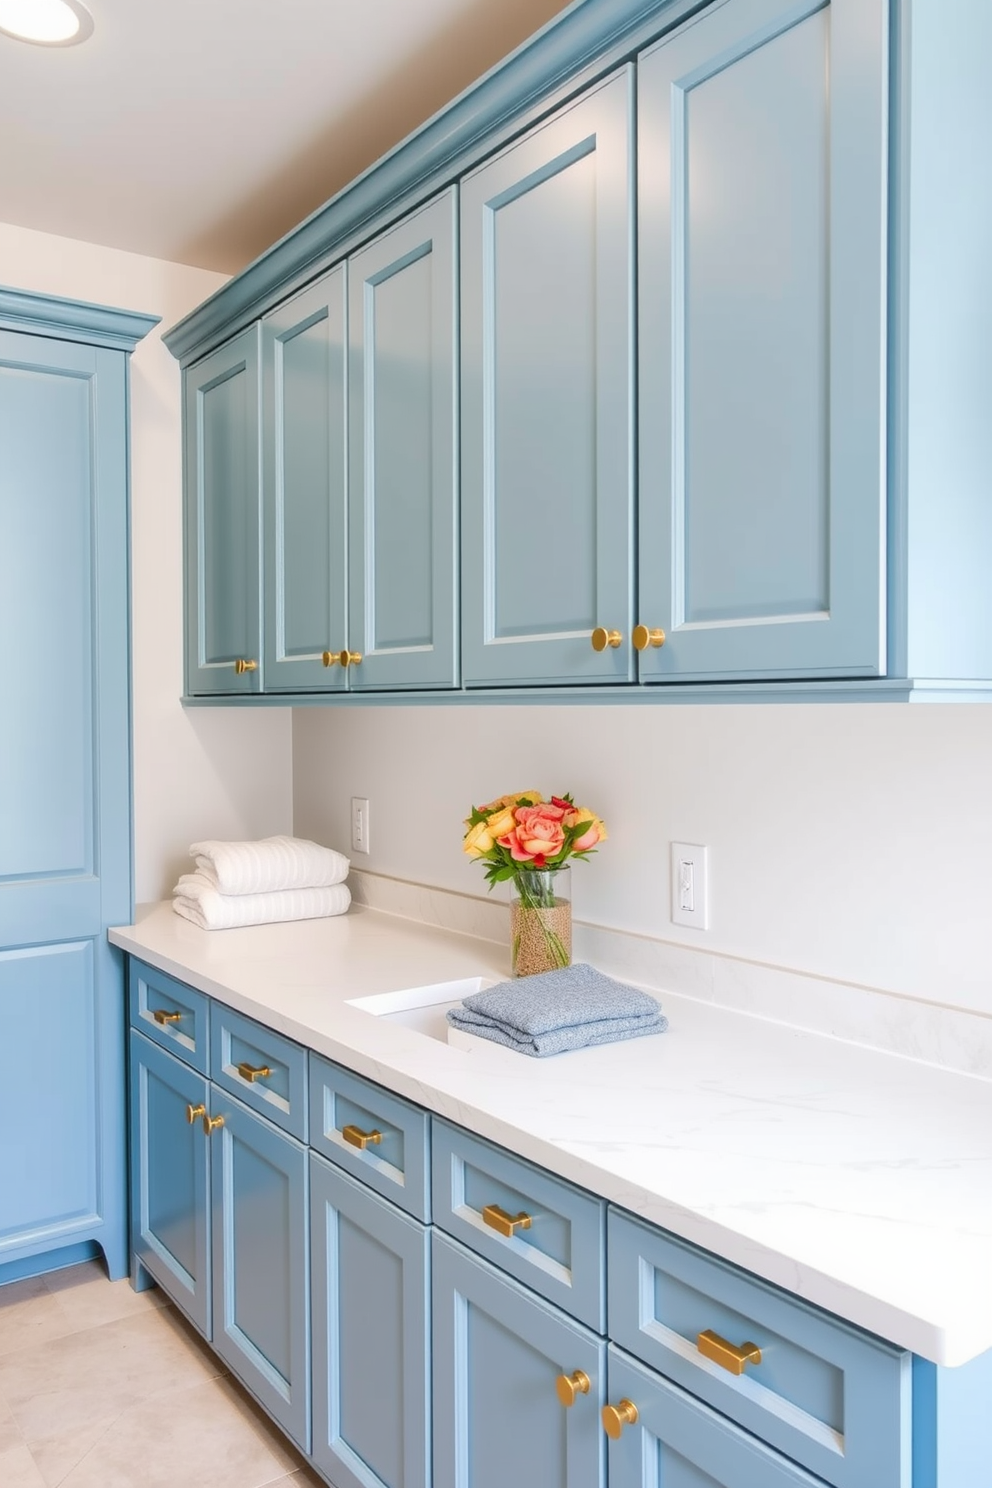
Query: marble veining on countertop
x=852, y=1177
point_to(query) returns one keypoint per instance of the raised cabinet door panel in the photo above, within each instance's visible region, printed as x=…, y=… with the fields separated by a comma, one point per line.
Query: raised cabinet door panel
x=677, y=1442
x=304, y=402
x=547, y=383
x=371, y=1288
x=762, y=294
x=260, y=1244
x=403, y=484
x=170, y=1198
x=223, y=611
x=498, y=1352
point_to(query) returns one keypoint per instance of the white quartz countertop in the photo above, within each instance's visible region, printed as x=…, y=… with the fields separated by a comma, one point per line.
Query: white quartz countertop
x=856, y=1179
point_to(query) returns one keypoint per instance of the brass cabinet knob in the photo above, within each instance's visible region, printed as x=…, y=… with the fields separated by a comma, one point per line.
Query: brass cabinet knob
x=162, y=1017
x=727, y=1355
x=602, y=638
x=568, y=1386
x=505, y=1224
x=253, y=1072
x=355, y=1137
x=193, y=1113
x=241, y=666
x=642, y=637
x=329, y=658
x=350, y=658
x=616, y=1417
x=211, y=1123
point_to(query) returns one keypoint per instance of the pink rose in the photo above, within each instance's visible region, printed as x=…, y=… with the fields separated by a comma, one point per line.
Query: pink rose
x=537, y=836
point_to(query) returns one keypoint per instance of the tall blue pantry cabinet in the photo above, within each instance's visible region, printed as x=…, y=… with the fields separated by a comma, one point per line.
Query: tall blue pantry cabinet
x=65, y=780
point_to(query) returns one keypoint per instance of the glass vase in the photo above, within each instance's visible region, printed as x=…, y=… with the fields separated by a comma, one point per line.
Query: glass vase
x=541, y=920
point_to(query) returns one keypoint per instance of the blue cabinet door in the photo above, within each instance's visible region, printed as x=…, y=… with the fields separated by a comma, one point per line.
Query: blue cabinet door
x=547, y=379
x=676, y=1441
x=170, y=1198
x=260, y=1256
x=498, y=1352
x=65, y=811
x=370, y=1287
x=304, y=402
x=403, y=485
x=223, y=606
x=762, y=314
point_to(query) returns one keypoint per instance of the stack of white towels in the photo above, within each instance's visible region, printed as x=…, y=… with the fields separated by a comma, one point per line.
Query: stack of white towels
x=259, y=883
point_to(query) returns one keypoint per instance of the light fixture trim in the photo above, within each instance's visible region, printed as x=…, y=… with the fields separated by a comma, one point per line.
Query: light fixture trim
x=46, y=26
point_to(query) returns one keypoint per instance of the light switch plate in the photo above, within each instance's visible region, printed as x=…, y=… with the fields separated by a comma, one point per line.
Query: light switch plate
x=690, y=897
x=359, y=824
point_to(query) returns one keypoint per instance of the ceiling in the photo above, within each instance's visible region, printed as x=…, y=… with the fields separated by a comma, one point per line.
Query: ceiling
x=200, y=131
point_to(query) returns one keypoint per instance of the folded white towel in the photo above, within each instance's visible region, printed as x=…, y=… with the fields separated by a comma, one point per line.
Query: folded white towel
x=198, y=900
x=271, y=864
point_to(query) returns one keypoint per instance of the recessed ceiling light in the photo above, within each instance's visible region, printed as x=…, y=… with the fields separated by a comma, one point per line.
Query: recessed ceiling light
x=46, y=22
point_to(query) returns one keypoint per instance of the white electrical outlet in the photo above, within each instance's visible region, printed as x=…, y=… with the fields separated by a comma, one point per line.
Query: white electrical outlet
x=359, y=824
x=690, y=901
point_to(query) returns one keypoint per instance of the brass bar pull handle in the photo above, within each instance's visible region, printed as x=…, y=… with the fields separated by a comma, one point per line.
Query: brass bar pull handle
x=616, y=1417
x=162, y=1017
x=569, y=1386
x=193, y=1113
x=642, y=638
x=253, y=1072
x=505, y=1224
x=712, y=1346
x=243, y=665
x=211, y=1124
x=601, y=638
x=355, y=1137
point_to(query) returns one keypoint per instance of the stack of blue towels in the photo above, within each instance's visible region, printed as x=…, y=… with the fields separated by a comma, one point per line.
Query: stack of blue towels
x=559, y=1010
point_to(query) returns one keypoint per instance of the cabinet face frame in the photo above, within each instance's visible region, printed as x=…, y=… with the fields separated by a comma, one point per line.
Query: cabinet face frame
x=305, y=467
x=568, y=184
x=235, y=365
x=775, y=625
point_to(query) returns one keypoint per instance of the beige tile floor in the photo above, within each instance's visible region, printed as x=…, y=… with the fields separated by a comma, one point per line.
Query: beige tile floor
x=102, y=1387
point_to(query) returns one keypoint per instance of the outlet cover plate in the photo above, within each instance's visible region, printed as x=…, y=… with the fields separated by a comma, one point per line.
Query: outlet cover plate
x=690, y=888
x=359, y=824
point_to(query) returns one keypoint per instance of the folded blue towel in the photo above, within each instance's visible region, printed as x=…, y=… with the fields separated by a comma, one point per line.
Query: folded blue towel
x=559, y=1010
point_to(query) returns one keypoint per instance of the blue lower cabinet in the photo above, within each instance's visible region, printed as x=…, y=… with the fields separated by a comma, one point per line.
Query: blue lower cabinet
x=666, y=1437
x=503, y=1358
x=170, y=1178
x=260, y=1253
x=370, y=1294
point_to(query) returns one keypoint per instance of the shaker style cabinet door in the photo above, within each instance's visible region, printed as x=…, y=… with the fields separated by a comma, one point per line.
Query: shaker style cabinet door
x=223, y=619
x=499, y=1351
x=170, y=1198
x=661, y=1435
x=403, y=484
x=260, y=1243
x=370, y=1286
x=304, y=488
x=547, y=382
x=762, y=314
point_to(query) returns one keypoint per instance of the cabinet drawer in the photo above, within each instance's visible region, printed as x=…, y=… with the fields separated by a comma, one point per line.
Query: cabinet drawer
x=476, y=1188
x=830, y=1397
x=155, y=999
x=263, y=1069
x=345, y=1110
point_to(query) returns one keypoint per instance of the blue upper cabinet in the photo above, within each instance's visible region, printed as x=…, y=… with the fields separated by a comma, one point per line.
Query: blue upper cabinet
x=547, y=388
x=403, y=479
x=304, y=401
x=762, y=310
x=223, y=620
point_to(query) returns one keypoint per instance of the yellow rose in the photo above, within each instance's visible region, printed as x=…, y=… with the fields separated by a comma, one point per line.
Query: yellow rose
x=500, y=823
x=532, y=796
x=595, y=832
x=478, y=840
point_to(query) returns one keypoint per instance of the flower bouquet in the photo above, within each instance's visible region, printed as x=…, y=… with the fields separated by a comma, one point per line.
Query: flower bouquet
x=527, y=842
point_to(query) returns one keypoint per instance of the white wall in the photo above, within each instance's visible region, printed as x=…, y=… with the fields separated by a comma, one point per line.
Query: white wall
x=198, y=772
x=852, y=841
